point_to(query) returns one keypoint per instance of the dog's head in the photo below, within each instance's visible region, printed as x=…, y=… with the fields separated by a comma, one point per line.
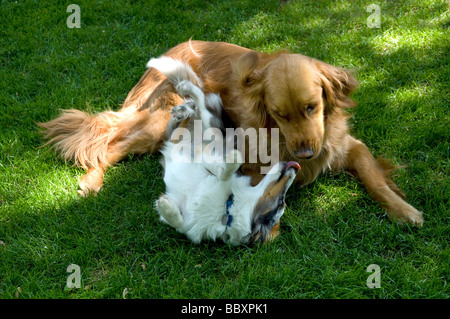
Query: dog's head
x=267, y=200
x=295, y=93
x=271, y=204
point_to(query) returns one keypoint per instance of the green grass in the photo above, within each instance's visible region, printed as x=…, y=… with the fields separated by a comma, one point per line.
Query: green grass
x=332, y=229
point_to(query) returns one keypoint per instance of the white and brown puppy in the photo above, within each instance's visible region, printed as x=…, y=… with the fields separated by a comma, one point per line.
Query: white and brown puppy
x=210, y=199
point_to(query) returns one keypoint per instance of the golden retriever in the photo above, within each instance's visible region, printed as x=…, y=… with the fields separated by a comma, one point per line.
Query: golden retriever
x=303, y=97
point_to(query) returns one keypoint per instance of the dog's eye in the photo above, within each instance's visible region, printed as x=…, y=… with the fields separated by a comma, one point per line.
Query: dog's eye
x=310, y=107
x=280, y=115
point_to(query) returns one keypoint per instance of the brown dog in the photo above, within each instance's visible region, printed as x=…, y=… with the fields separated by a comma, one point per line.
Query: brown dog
x=301, y=96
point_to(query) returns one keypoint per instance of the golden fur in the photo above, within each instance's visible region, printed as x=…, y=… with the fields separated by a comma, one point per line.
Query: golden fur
x=301, y=96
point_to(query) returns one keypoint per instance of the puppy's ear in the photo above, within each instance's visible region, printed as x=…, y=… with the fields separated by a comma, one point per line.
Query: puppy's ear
x=337, y=85
x=266, y=227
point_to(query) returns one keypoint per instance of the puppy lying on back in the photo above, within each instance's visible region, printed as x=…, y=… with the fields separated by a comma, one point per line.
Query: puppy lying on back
x=210, y=199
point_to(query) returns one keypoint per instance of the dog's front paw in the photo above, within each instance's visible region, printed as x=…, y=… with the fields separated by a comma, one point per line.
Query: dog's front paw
x=233, y=160
x=414, y=217
x=184, y=111
x=407, y=215
x=169, y=211
x=184, y=87
x=234, y=156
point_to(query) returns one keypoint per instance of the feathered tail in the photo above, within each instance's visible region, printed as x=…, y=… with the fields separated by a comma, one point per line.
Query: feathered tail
x=82, y=137
x=86, y=139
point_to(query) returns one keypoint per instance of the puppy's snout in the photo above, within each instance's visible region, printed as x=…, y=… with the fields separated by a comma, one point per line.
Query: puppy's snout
x=304, y=153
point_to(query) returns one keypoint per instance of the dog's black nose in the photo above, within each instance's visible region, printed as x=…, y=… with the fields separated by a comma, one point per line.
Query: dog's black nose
x=304, y=153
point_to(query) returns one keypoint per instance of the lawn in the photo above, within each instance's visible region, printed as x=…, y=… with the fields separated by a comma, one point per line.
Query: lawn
x=332, y=230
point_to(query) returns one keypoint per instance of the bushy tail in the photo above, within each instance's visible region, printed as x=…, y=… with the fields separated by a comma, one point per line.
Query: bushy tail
x=82, y=137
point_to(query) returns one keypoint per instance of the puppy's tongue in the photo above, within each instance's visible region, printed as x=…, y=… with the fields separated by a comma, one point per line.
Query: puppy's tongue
x=293, y=164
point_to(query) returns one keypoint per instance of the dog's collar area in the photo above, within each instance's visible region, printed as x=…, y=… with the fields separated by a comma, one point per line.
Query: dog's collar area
x=227, y=217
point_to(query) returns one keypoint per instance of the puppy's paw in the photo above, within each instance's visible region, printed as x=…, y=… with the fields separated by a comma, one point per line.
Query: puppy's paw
x=185, y=87
x=184, y=111
x=169, y=211
x=233, y=160
x=234, y=157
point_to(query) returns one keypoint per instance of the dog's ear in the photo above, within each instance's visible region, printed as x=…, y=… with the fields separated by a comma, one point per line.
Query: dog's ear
x=266, y=226
x=248, y=84
x=337, y=85
x=245, y=69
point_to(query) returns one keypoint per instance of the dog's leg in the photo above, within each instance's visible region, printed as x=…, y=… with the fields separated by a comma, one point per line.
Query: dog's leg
x=183, y=111
x=233, y=160
x=169, y=211
x=91, y=182
x=180, y=117
x=187, y=88
x=361, y=162
x=143, y=132
x=229, y=165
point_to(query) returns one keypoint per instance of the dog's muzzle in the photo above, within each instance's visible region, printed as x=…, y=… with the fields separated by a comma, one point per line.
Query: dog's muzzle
x=304, y=153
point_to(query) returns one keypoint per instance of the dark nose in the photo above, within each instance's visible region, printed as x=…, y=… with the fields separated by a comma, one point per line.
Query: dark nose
x=304, y=153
